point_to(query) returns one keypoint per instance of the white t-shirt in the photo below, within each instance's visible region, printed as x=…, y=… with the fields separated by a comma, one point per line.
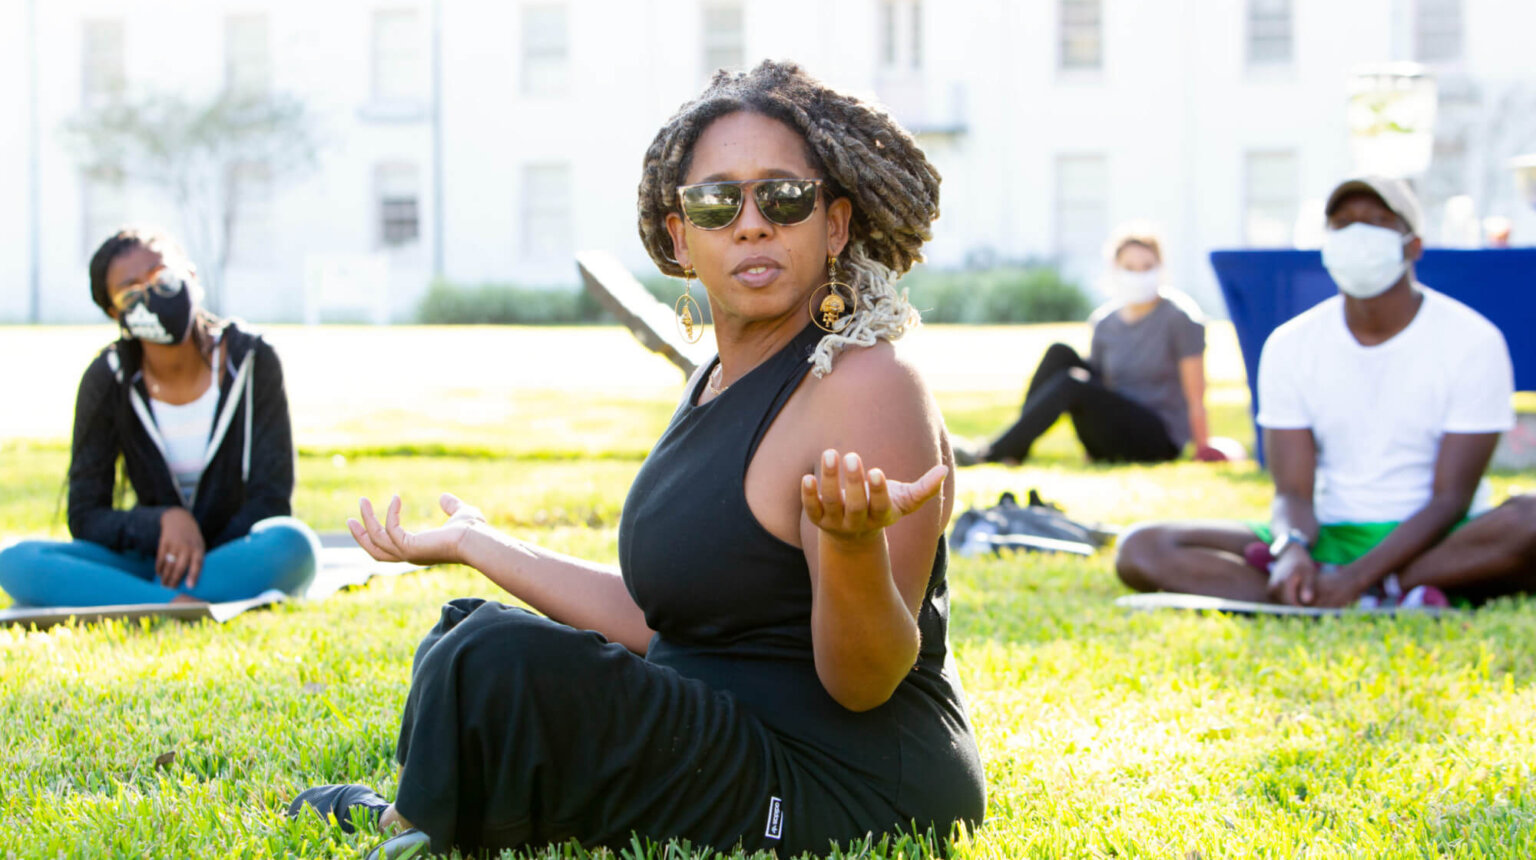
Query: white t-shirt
x=186, y=429
x=1377, y=413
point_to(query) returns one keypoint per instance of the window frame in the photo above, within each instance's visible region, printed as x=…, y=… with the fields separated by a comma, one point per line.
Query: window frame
x=388, y=204
x=100, y=85
x=238, y=66
x=714, y=40
x=536, y=61
x=1065, y=61
x=407, y=59
x=1255, y=20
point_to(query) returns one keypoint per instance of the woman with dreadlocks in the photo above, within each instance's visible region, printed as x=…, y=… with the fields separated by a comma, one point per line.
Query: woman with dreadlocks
x=193, y=407
x=767, y=667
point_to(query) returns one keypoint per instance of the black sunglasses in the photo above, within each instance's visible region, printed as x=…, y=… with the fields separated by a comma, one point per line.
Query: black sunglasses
x=715, y=205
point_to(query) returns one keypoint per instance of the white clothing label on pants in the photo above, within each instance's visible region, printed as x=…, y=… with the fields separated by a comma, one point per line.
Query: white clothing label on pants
x=775, y=819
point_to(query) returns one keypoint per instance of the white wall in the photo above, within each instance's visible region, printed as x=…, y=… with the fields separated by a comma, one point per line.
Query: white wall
x=15, y=220
x=1173, y=110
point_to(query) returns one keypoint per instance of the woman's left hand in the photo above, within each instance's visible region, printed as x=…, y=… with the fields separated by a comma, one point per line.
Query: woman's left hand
x=845, y=501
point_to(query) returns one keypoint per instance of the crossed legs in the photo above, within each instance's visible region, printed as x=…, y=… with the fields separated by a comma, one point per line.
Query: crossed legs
x=1493, y=555
x=1191, y=557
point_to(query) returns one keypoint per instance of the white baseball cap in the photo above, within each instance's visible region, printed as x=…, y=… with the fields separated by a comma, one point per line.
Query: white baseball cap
x=1395, y=193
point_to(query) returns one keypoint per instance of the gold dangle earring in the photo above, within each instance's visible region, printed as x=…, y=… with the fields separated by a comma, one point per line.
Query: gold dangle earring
x=834, y=312
x=690, y=317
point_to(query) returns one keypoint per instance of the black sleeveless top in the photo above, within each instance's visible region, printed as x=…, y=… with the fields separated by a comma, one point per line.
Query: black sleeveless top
x=731, y=604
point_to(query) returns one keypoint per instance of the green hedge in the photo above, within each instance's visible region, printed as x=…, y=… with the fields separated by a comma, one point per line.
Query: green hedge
x=1004, y=294
x=507, y=304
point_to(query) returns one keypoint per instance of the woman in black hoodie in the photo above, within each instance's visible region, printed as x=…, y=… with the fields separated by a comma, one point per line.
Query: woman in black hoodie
x=194, y=407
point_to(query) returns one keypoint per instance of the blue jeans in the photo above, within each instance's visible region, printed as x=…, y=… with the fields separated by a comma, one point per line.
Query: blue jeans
x=279, y=552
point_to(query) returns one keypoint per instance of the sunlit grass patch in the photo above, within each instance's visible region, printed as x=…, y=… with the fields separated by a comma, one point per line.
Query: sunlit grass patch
x=1104, y=733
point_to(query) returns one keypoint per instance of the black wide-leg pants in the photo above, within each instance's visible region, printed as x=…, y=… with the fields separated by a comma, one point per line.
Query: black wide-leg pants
x=519, y=730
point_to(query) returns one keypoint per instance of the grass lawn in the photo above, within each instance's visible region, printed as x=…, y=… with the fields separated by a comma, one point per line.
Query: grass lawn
x=1105, y=734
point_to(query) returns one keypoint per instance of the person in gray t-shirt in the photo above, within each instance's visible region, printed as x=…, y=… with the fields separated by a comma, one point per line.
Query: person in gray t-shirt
x=1140, y=395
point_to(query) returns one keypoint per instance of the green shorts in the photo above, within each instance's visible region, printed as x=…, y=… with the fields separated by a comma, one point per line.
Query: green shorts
x=1341, y=543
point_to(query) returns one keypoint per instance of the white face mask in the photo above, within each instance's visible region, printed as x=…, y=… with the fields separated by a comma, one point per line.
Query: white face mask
x=1135, y=288
x=1365, y=260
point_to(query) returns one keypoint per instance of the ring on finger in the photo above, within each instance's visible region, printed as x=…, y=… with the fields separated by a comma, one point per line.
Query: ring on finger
x=170, y=557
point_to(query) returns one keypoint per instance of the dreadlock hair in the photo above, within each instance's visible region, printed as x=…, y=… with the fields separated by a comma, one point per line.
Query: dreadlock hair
x=204, y=327
x=860, y=152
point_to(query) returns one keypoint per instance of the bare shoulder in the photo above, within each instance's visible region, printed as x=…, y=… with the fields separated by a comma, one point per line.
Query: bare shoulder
x=875, y=398
x=874, y=373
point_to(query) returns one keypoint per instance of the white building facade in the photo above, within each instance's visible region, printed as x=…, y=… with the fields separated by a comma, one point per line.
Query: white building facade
x=486, y=142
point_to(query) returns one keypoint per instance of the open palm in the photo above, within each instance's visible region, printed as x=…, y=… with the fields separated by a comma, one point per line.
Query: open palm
x=386, y=540
x=845, y=500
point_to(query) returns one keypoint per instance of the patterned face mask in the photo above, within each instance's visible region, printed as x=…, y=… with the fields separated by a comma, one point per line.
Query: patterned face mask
x=157, y=312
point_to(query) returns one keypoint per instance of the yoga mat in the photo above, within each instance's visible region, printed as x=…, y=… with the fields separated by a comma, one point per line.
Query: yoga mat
x=1200, y=603
x=343, y=565
x=48, y=616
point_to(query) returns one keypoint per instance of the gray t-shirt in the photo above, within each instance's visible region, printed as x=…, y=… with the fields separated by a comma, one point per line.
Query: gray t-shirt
x=1141, y=359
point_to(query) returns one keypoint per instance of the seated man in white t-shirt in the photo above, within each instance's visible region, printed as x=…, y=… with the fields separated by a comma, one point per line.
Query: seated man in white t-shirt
x=1380, y=409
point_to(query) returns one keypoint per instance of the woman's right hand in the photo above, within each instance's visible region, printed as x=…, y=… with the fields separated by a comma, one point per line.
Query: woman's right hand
x=387, y=541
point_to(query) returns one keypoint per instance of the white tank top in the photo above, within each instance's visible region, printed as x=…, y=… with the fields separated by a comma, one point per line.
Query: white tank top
x=186, y=429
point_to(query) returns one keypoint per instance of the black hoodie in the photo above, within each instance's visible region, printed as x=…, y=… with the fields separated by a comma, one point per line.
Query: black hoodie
x=250, y=475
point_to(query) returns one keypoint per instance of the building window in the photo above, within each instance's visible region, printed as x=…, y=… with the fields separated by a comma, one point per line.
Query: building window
x=247, y=63
x=723, y=41
x=399, y=58
x=399, y=204
x=546, y=50
x=1082, y=34
x=250, y=209
x=1269, y=32
x=102, y=73
x=547, y=221
x=901, y=34
x=103, y=209
x=1437, y=31
x=1270, y=200
x=1082, y=211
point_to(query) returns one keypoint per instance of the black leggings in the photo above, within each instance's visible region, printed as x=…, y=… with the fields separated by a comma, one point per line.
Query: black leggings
x=1111, y=426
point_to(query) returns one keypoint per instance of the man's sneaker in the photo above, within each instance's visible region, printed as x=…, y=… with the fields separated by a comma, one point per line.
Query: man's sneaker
x=1425, y=597
x=1390, y=595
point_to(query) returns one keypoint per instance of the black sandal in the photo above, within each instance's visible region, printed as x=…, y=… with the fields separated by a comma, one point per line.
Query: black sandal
x=340, y=801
